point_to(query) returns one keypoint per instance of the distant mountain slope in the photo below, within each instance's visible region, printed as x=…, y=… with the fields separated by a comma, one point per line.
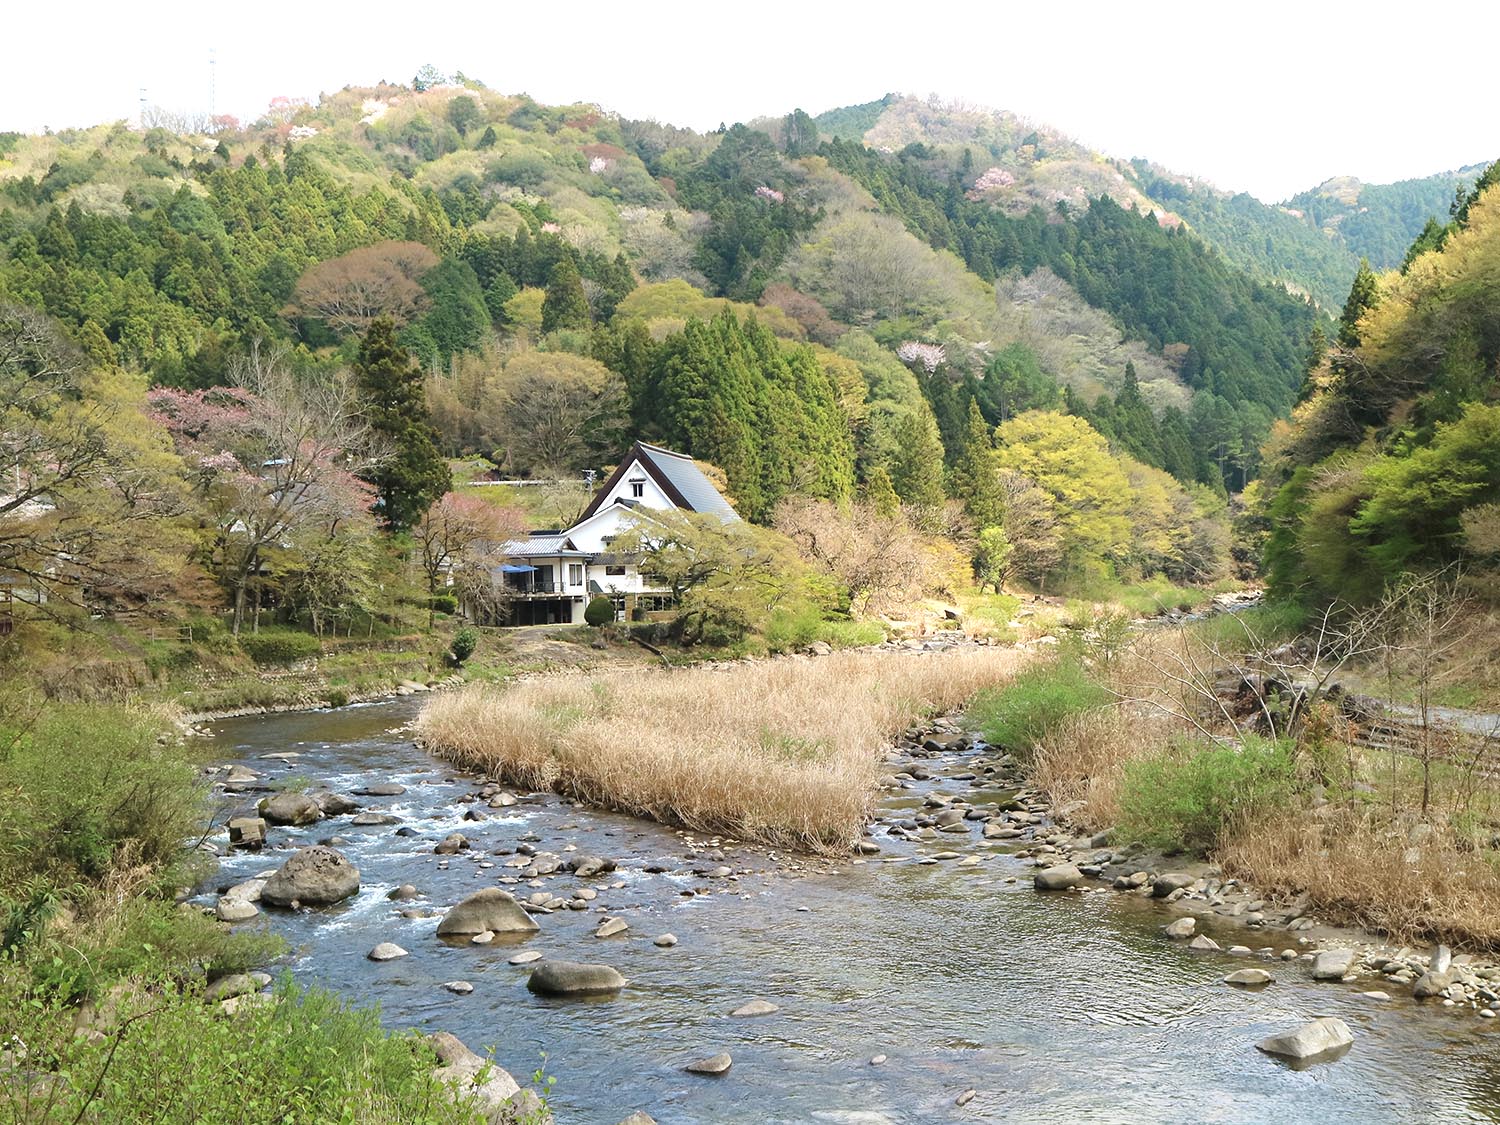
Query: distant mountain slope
x=1312, y=243
x=1379, y=221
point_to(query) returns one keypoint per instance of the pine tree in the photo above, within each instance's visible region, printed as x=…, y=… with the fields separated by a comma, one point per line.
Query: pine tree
x=975, y=476
x=415, y=473
x=1362, y=295
x=880, y=494
x=566, y=305
x=917, y=470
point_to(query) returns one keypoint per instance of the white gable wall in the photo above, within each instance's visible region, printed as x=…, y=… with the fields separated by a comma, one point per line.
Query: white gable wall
x=651, y=494
x=606, y=523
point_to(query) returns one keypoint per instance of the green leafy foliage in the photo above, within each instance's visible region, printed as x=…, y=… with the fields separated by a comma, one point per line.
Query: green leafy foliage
x=280, y=646
x=1191, y=794
x=1016, y=716
x=599, y=611
x=465, y=641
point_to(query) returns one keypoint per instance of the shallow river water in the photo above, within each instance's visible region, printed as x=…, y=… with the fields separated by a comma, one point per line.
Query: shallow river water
x=1052, y=1007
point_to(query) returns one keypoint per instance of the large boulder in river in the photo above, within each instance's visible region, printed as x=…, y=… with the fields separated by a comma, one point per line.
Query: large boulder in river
x=290, y=808
x=335, y=804
x=1326, y=1037
x=315, y=876
x=570, y=978
x=472, y=1076
x=1058, y=878
x=1332, y=964
x=490, y=910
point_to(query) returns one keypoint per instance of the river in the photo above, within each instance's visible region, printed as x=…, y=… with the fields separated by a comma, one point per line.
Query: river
x=1060, y=1007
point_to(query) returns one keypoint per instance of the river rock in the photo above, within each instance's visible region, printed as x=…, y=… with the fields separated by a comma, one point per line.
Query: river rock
x=756, y=1008
x=235, y=984
x=965, y=1098
x=1249, y=978
x=526, y=957
x=1180, y=928
x=1058, y=878
x=639, y=1117
x=404, y=893
x=384, y=789
x=491, y=910
x=247, y=832
x=386, y=951
x=335, y=804
x=289, y=808
x=452, y=844
x=314, y=876
x=1441, y=960
x=572, y=978
x=610, y=927
x=1332, y=964
x=240, y=775
x=490, y=1086
x=371, y=819
x=1172, y=881
x=713, y=1065
x=231, y=908
x=502, y=800
x=585, y=866
x=1204, y=944
x=665, y=941
x=458, y=987
x=1321, y=1037
x=1430, y=984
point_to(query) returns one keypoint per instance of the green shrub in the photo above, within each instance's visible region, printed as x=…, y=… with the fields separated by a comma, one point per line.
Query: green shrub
x=307, y=1056
x=443, y=603
x=465, y=641
x=599, y=611
x=1186, y=797
x=87, y=788
x=280, y=647
x=1017, y=715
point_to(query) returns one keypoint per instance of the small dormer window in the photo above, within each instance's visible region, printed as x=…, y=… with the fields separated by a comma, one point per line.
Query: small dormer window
x=638, y=488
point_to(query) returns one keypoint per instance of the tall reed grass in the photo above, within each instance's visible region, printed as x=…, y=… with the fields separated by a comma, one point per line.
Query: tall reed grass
x=785, y=752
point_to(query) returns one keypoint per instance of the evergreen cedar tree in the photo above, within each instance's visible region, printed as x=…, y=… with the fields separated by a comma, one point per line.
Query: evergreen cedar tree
x=414, y=474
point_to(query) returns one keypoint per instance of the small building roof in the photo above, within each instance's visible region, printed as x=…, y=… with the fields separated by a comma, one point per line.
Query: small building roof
x=540, y=546
x=677, y=474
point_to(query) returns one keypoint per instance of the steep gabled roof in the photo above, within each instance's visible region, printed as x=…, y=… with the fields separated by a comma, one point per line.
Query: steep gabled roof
x=676, y=474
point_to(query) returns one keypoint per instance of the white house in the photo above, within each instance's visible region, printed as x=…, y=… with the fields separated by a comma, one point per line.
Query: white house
x=551, y=575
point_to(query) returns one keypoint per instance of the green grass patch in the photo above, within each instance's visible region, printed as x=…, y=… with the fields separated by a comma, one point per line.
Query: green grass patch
x=1017, y=715
x=307, y=1056
x=1258, y=628
x=1190, y=794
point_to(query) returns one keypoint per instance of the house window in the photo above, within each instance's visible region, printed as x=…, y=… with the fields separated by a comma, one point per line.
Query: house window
x=614, y=571
x=638, y=488
x=575, y=574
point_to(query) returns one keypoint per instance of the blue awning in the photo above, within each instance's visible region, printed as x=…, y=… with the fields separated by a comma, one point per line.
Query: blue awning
x=513, y=568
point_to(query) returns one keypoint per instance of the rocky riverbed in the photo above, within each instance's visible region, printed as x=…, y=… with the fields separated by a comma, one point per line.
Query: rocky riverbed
x=927, y=979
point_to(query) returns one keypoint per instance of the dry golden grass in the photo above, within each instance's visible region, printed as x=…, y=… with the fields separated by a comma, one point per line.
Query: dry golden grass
x=1358, y=868
x=781, y=751
x=1081, y=762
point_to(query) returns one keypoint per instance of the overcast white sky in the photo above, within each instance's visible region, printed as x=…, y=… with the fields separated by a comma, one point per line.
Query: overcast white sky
x=1269, y=98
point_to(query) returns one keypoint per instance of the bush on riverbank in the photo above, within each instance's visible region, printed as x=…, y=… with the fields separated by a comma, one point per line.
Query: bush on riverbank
x=1037, y=701
x=1190, y=795
x=785, y=751
x=167, y=1057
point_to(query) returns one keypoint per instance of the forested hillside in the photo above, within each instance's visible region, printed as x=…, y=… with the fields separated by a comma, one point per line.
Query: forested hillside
x=402, y=275
x=1391, y=465
x=1379, y=221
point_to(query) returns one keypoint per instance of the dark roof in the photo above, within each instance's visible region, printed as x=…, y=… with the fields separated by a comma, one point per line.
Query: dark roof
x=677, y=474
